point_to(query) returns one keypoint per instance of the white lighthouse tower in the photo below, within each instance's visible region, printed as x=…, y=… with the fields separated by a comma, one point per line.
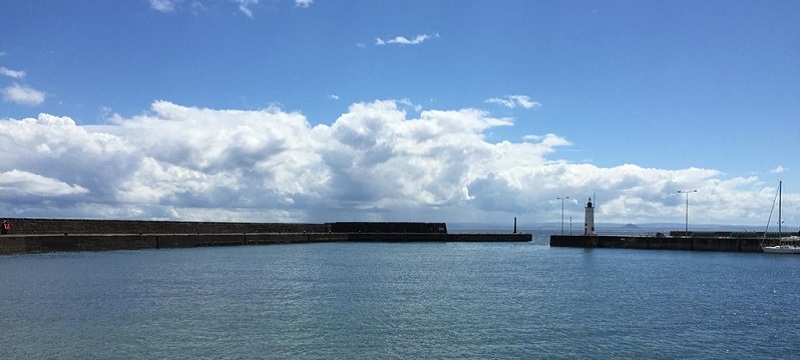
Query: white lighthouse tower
x=588, y=224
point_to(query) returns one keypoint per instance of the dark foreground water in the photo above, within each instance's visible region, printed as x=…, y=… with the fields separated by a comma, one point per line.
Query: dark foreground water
x=444, y=300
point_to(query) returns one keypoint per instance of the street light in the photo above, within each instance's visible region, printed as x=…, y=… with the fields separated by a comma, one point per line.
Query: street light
x=686, y=229
x=562, y=212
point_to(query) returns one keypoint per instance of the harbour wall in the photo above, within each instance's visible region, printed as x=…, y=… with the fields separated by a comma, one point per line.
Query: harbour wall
x=31, y=226
x=53, y=235
x=699, y=243
x=22, y=244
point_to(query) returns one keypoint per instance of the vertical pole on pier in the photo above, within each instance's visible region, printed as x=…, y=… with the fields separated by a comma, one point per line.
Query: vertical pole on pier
x=686, y=229
x=515, y=224
x=562, y=212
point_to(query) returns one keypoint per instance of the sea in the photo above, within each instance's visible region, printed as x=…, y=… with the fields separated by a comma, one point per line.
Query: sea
x=400, y=301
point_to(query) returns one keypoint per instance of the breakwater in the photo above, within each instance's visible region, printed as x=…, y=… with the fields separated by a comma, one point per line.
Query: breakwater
x=707, y=241
x=50, y=235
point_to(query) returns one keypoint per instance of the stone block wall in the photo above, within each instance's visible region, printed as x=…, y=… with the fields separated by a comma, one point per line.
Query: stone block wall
x=32, y=226
x=28, y=226
x=660, y=243
x=388, y=227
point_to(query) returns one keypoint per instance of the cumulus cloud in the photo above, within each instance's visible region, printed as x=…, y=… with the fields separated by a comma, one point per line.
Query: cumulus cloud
x=512, y=101
x=374, y=162
x=402, y=40
x=56, y=148
x=23, y=95
x=303, y=3
x=16, y=74
x=17, y=183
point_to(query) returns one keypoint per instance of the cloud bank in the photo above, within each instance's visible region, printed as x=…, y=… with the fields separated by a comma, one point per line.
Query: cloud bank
x=375, y=162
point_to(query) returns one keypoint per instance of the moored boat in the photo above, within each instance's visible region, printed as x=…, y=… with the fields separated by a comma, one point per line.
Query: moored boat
x=787, y=244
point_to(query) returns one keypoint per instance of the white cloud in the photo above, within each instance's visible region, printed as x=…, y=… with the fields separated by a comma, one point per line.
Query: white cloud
x=244, y=6
x=303, y=3
x=56, y=148
x=17, y=183
x=16, y=74
x=23, y=95
x=197, y=7
x=407, y=102
x=535, y=137
x=525, y=102
x=333, y=97
x=778, y=170
x=401, y=40
x=375, y=161
x=512, y=101
x=163, y=5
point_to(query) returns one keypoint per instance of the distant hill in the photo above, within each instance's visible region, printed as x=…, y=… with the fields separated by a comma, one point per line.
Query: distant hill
x=631, y=226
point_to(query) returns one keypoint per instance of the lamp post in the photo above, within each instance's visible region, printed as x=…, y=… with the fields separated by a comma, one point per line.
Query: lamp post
x=562, y=212
x=686, y=229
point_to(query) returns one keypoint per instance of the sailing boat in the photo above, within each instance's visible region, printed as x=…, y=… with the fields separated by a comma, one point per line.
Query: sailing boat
x=786, y=245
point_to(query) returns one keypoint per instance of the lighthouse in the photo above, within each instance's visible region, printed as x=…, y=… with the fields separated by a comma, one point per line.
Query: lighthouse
x=588, y=224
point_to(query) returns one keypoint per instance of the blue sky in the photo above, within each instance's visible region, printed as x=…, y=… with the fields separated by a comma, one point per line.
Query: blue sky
x=406, y=110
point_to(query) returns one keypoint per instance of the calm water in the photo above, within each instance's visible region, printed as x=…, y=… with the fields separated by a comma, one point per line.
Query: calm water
x=445, y=300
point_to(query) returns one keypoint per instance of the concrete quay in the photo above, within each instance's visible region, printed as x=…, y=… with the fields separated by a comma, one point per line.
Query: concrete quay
x=55, y=235
x=687, y=243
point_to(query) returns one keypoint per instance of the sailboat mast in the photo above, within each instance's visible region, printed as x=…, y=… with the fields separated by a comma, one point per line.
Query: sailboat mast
x=780, y=217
